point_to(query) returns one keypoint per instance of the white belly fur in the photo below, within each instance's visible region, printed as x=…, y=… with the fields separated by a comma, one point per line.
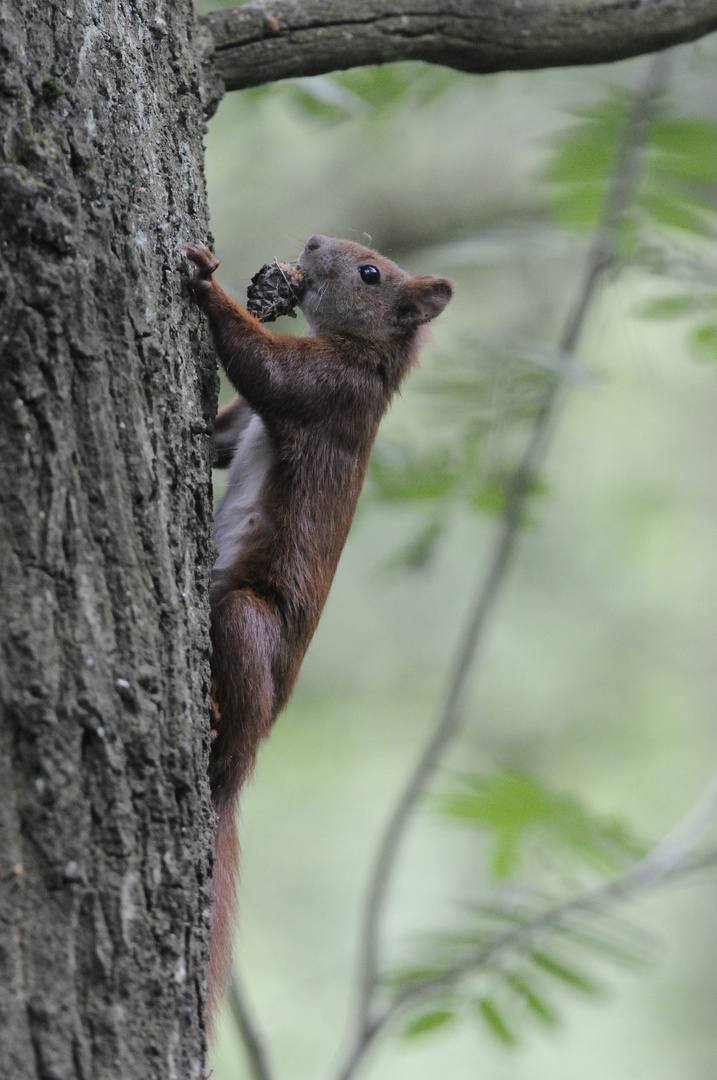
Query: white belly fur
x=240, y=509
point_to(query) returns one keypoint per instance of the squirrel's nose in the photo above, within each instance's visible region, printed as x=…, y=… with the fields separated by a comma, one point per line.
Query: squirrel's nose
x=314, y=242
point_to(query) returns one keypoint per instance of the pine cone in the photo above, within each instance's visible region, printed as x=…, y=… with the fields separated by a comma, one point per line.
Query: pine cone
x=275, y=291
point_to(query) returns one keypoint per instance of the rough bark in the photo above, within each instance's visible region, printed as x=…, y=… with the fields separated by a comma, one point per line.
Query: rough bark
x=262, y=42
x=105, y=398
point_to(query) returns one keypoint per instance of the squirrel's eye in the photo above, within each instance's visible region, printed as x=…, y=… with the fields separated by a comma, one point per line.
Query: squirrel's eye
x=370, y=274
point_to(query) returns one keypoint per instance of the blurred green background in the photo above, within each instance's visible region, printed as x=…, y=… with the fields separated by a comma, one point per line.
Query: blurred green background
x=599, y=670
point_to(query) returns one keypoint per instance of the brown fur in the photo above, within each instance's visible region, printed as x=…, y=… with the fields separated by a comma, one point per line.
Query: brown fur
x=321, y=399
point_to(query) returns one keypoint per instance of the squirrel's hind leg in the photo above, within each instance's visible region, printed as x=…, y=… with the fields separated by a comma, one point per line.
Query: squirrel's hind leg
x=246, y=637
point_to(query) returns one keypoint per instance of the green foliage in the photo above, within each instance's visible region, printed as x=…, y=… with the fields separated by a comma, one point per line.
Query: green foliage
x=692, y=276
x=537, y=1006
x=390, y=84
x=487, y=396
x=522, y=947
x=520, y=954
x=691, y=271
x=679, y=170
x=583, y=162
x=428, y=1021
x=518, y=810
x=698, y=304
x=675, y=205
x=361, y=92
x=399, y=476
x=521, y=950
x=420, y=550
x=704, y=338
x=576, y=980
x=478, y=410
x=324, y=98
x=500, y=977
x=668, y=307
x=496, y=1022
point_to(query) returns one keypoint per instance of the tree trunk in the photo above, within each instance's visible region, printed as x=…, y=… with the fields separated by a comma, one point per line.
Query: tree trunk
x=105, y=401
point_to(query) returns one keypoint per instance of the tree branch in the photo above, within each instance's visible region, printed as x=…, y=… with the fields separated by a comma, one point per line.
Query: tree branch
x=286, y=39
x=625, y=888
x=253, y=1041
x=671, y=859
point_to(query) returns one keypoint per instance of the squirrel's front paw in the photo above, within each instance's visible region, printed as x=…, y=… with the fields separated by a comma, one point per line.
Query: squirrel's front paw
x=206, y=265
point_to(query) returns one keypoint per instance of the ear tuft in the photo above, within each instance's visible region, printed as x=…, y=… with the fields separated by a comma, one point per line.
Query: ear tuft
x=423, y=299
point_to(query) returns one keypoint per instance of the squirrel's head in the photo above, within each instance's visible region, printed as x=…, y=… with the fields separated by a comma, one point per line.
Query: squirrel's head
x=351, y=289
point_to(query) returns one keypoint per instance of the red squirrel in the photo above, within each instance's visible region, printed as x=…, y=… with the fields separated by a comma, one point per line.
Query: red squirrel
x=297, y=443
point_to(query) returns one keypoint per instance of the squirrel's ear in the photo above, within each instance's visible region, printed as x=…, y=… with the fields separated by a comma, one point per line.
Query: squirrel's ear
x=423, y=298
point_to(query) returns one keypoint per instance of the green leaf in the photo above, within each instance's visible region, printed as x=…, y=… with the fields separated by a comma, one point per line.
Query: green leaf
x=524, y=976
x=587, y=151
x=580, y=207
x=667, y=209
x=388, y=84
x=534, y=1002
x=568, y=975
x=410, y=977
x=427, y=1022
x=398, y=475
x=420, y=551
x=368, y=90
x=680, y=159
x=685, y=148
x=323, y=98
x=583, y=162
x=705, y=338
x=669, y=307
x=517, y=809
x=495, y=1022
x=492, y=495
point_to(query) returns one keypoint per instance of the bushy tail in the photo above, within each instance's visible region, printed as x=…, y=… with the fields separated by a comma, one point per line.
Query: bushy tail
x=246, y=634
x=226, y=867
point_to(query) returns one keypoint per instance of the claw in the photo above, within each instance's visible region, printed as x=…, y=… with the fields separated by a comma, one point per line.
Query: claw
x=214, y=717
x=206, y=265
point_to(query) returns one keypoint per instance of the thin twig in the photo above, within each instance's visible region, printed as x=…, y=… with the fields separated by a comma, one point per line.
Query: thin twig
x=677, y=845
x=251, y=1037
x=602, y=257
